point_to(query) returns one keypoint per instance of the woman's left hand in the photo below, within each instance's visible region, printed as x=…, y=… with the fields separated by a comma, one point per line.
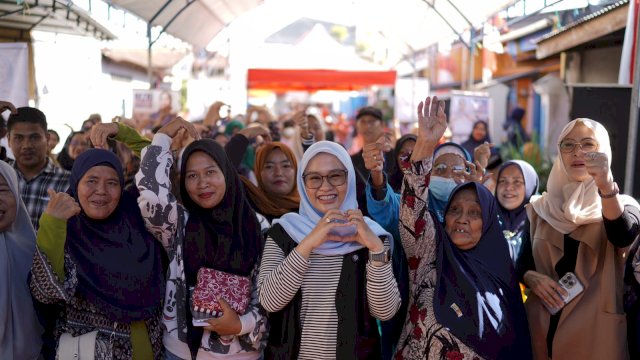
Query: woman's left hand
x=364, y=235
x=598, y=167
x=227, y=324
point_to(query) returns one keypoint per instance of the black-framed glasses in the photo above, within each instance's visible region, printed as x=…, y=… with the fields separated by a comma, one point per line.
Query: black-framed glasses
x=335, y=178
x=587, y=145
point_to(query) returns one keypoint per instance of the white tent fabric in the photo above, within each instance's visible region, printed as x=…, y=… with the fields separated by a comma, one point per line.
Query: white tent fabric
x=193, y=21
x=51, y=15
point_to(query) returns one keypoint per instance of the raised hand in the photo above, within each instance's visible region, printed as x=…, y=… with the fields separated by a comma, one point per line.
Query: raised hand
x=373, y=154
x=253, y=131
x=5, y=105
x=300, y=118
x=174, y=126
x=432, y=123
x=476, y=173
x=213, y=114
x=61, y=205
x=482, y=153
x=101, y=132
x=598, y=167
x=227, y=324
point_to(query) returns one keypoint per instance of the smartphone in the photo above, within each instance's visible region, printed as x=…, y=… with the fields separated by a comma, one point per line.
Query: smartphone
x=343, y=230
x=199, y=318
x=570, y=283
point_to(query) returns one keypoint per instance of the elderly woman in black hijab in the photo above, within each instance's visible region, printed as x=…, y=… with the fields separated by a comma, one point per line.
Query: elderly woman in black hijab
x=94, y=255
x=464, y=300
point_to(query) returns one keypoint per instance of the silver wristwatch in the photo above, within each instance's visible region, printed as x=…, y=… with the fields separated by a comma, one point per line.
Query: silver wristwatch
x=380, y=258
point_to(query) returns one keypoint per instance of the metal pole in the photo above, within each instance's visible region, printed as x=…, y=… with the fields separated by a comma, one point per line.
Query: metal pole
x=632, y=139
x=150, y=43
x=472, y=48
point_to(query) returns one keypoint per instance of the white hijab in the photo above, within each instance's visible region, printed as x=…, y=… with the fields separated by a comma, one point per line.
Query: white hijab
x=19, y=330
x=567, y=204
x=299, y=225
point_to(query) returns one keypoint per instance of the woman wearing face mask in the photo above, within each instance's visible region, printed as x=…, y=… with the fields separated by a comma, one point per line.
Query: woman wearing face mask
x=582, y=225
x=323, y=287
x=464, y=300
x=450, y=161
x=214, y=229
x=517, y=182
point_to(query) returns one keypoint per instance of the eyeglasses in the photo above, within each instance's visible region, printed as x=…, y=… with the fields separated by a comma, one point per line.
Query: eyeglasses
x=445, y=170
x=568, y=147
x=315, y=180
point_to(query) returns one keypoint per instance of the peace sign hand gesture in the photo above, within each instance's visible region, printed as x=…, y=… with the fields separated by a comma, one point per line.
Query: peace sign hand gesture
x=432, y=123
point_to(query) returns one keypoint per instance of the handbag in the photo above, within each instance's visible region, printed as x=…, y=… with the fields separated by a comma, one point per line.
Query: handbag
x=81, y=347
x=212, y=284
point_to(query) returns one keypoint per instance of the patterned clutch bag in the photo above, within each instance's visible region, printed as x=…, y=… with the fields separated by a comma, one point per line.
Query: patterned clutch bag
x=212, y=284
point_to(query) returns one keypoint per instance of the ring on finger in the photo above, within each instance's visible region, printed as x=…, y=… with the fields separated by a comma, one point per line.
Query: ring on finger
x=328, y=220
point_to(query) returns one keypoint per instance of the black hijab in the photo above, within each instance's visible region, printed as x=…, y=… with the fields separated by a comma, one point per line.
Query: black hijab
x=118, y=262
x=514, y=220
x=395, y=177
x=228, y=237
x=471, y=144
x=481, y=283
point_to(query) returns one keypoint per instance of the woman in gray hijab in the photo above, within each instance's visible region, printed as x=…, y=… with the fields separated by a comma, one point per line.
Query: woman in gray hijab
x=20, y=331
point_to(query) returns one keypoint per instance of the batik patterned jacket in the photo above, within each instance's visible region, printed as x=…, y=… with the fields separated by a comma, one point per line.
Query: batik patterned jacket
x=166, y=219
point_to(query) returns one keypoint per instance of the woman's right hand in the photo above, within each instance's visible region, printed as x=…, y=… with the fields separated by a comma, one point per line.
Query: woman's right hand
x=432, y=123
x=6, y=105
x=101, y=132
x=175, y=125
x=548, y=290
x=61, y=205
x=320, y=233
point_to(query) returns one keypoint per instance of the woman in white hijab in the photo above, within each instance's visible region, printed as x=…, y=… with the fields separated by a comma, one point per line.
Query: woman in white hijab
x=326, y=271
x=20, y=331
x=581, y=225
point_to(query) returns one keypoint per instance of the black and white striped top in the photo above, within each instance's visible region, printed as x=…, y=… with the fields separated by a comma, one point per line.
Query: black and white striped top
x=279, y=281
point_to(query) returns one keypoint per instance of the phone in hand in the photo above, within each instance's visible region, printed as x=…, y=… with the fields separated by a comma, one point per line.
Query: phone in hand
x=570, y=283
x=343, y=231
x=199, y=318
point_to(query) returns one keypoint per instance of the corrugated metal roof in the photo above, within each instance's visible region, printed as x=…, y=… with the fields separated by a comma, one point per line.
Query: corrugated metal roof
x=585, y=19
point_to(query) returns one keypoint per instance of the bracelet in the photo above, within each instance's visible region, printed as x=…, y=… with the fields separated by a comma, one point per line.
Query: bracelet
x=616, y=191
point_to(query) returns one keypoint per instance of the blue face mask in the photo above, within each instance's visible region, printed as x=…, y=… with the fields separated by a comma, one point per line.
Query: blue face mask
x=441, y=187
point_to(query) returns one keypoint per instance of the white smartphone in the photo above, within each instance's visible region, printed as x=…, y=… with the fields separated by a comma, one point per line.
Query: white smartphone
x=570, y=283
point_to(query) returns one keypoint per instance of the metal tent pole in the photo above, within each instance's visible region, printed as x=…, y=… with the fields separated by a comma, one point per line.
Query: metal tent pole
x=630, y=166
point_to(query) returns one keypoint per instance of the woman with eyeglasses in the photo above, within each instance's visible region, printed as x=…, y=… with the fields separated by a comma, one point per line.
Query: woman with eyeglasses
x=584, y=226
x=326, y=271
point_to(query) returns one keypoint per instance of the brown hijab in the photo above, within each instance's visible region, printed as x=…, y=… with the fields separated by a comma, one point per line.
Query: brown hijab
x=268, y=204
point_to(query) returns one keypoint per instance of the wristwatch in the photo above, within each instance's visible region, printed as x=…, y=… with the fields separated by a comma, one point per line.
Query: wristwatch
x=616, y=191
x=380, y=258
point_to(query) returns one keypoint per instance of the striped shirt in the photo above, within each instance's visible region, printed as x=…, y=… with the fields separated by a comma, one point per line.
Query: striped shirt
x=34, y=191
x=280, y=279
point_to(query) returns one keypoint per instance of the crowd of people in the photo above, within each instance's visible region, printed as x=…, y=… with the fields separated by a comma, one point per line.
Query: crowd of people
x=406, y=249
